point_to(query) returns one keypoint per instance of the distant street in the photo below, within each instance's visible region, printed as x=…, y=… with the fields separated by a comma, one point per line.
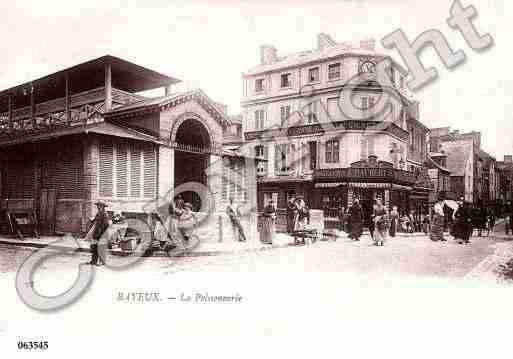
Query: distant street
x=416, y=256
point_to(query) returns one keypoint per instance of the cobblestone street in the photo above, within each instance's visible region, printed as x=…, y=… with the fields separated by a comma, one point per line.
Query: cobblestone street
x=414, y=256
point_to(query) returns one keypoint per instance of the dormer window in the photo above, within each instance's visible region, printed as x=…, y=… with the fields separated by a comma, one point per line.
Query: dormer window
x=313, y=74
x=286, y=80
x=259, y=85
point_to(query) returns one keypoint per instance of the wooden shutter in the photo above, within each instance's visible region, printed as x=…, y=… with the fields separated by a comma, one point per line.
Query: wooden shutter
x=68, y=175
x=135, y=170
x=224, y=179
x=20, y=179
x=122, y=170
x=106, y=169
x=150, y=171
x=232, y=179
x=277, y=158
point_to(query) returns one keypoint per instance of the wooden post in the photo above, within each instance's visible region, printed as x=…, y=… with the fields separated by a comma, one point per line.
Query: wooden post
x=9, y=111
x=32, y=106
x=168, y=89
x=108, y=87
x=67, y=100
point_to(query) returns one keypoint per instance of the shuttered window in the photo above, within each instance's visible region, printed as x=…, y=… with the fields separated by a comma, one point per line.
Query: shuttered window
x=69, y=179
x=106, y=169
x=232, y=180
x=224, y=179
x=150, y=171
x=135, y=170
x=20, y=179
x=122, y=170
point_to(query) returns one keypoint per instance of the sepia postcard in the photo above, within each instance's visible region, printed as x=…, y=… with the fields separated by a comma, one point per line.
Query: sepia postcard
x=256, y=179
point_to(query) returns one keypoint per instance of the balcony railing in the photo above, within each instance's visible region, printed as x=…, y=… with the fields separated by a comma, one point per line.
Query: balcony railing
x=372, y=173
x=85, y=108
x=196, y=149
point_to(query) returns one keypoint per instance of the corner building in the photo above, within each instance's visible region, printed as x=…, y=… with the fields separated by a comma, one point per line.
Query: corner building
x=294, y=118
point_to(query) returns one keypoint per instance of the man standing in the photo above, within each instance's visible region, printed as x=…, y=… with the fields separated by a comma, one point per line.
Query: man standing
x=233, y=213
x=101, y=223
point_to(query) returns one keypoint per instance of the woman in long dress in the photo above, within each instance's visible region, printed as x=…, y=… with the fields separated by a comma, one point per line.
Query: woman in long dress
x=268, y=228
x=301, y=217
x=437, y=225
x=291, y=214
x=355, y=220
x=394, y=217
x=380, y=219
x=187, y=222
x=463, y=221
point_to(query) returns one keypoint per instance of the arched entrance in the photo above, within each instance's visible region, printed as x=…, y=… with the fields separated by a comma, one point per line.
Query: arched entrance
x=192, y=154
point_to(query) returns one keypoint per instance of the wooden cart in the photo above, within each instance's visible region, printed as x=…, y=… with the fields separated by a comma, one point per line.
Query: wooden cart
x=23, y=223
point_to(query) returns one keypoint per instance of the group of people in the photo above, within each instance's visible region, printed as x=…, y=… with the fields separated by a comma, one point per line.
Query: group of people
x=381, y=221
x=176, y=229
x=463, y=219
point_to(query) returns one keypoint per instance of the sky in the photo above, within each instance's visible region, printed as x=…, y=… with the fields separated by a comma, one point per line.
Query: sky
x=208, y=44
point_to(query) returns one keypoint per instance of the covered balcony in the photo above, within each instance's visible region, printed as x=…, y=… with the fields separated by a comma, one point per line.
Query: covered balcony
x=77, y=96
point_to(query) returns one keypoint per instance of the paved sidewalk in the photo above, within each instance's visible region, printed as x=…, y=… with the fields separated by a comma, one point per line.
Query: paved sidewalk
x=204, y=249
x=281, y=240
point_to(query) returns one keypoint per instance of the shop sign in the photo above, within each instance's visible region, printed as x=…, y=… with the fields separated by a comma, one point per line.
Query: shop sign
x=328, y=185
x=369, y=185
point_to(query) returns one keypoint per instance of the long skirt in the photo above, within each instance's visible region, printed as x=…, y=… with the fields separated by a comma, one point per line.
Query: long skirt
x=356, y=230
x=299, y=224
x=380, y=234
x=437, y=228
x=393, y=227
x=268, y=230
x=290, y=223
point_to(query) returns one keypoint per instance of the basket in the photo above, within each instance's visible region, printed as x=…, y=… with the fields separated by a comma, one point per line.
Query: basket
x=128, y=244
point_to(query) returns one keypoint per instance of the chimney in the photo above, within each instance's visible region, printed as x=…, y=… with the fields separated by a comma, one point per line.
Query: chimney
x=369, y=44
x=324, y=41
x=268, y=54
x=508, y=158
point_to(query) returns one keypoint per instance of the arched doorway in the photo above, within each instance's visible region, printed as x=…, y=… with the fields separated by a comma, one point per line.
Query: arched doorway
x=192, y=154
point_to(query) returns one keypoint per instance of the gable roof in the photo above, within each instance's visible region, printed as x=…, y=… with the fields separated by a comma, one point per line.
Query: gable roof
x=126, y=76
x=458, y=154
x=159, y=104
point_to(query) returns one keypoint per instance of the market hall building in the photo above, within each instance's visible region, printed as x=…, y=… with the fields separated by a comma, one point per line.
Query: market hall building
x=85, y=134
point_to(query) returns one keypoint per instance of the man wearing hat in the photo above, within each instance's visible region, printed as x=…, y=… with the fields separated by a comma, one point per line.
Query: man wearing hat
x=101, y=223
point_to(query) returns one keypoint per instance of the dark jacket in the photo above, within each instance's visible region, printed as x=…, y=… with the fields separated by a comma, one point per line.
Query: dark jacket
x=356, y=214
x=463, y=217
x=101, y=221
x=269, y=211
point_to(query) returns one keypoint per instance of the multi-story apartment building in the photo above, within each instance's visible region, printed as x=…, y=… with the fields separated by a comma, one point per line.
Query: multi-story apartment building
x=297, y=115
x=473, y=174
x=440, y=176
x=505, y=169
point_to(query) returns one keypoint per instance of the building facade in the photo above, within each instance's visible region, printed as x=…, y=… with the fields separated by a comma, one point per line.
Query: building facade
x=84, y=134
x=505, y=170
x=440, y=176
x=296, y=116
x=474, y=175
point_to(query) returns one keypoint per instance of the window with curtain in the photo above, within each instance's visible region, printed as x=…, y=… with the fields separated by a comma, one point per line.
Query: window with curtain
x=332, y=148
x=259, y=119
